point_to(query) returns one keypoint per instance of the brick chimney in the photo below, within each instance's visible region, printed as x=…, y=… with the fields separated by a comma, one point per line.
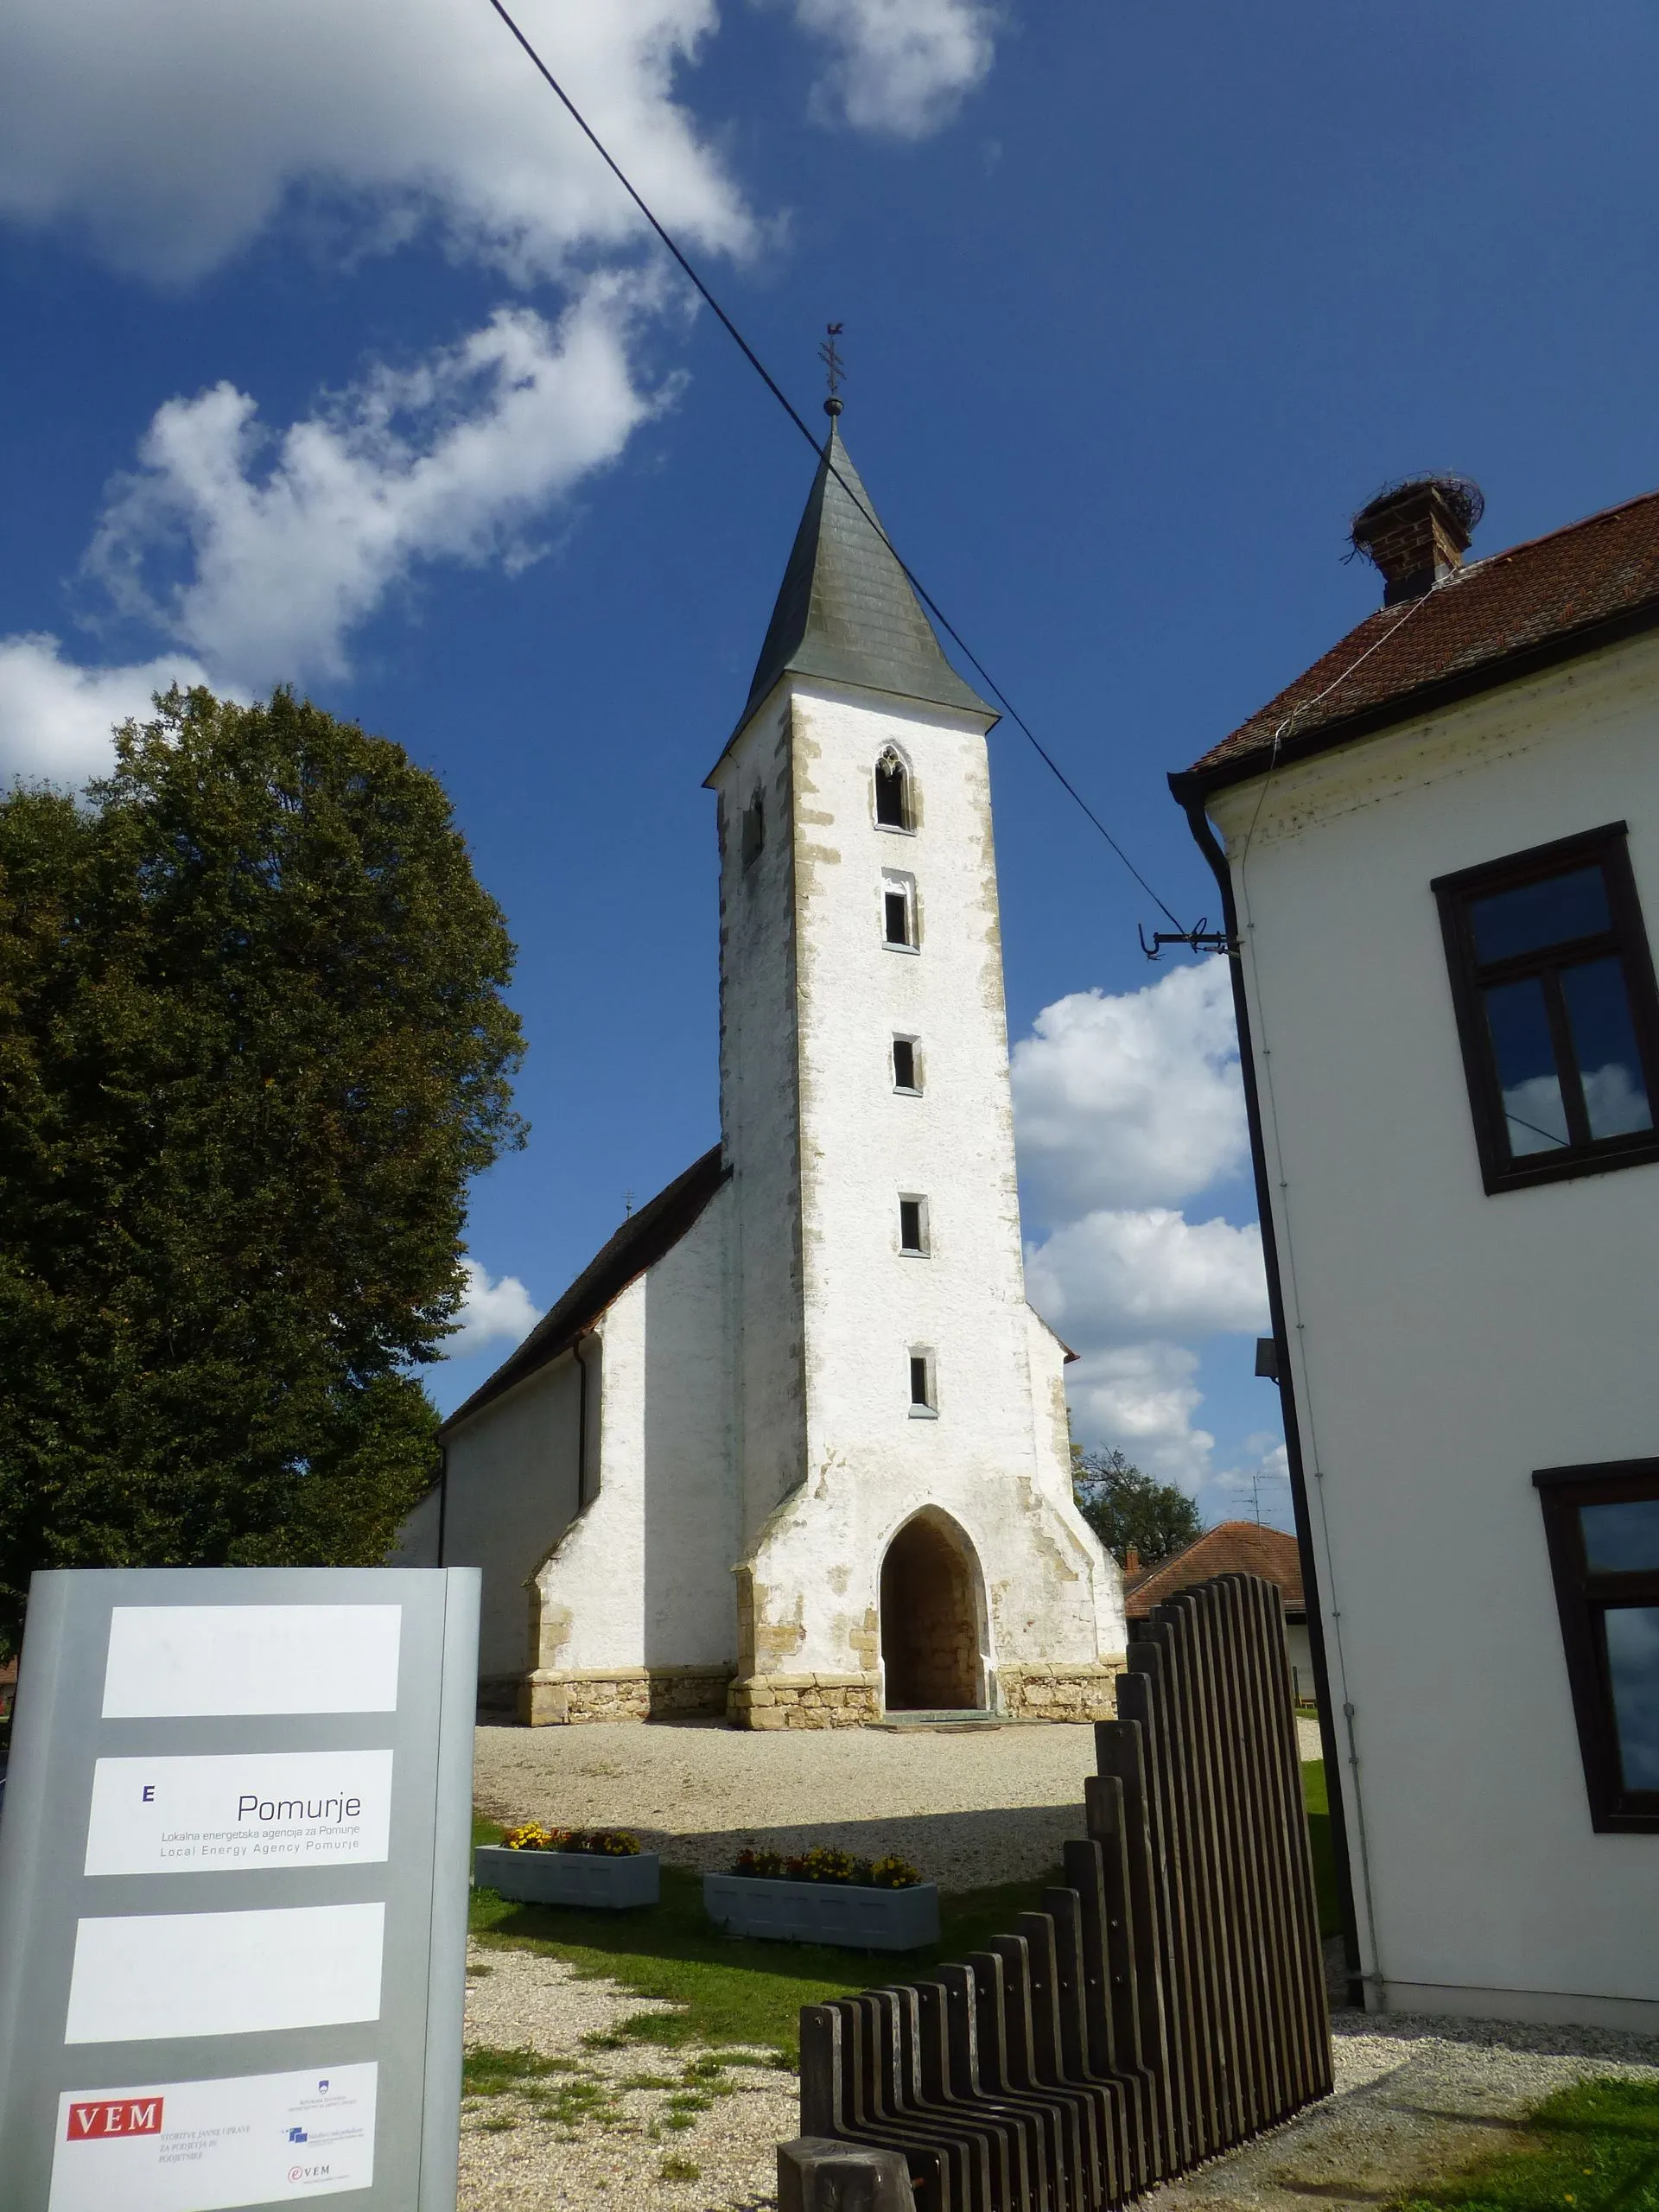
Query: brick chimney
x=1417, y=532
x=1131, y=1560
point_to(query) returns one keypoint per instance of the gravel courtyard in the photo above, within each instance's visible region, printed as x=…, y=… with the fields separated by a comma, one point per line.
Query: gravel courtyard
x=681, y=2132
x=687, y=2131
x=968, y=1809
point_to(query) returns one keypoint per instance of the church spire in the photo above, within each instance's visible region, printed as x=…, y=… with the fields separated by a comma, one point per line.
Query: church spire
x=845, y=609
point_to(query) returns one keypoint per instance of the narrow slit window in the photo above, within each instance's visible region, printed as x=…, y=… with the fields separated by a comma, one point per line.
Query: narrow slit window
x=754, y=830
x=907, y=1075
x=1602, y=1524
x=912, y=1225
x=1553, y=984
x=922, y=1399
x=898, y=913
x=891, y=793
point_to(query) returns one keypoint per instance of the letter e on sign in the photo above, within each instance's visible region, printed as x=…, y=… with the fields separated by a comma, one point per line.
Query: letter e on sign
x=95, y=2122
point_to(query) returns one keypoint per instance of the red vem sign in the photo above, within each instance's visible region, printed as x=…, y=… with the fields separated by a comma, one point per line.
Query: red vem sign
x=114, y=2116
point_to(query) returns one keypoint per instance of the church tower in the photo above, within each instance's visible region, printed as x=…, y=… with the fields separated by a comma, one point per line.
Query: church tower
x=792, y=1446
x=906, y=1534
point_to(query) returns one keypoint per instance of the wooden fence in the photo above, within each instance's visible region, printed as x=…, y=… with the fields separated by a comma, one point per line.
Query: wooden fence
x=1166, y=2003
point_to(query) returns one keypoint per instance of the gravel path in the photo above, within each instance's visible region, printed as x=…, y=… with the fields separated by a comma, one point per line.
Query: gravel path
x=1415, y=2099
x=986, y=1806
x=634, y=2126
x=615, y=2128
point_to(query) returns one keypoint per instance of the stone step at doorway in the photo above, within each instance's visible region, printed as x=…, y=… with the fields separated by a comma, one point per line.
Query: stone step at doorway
x=953, y=1720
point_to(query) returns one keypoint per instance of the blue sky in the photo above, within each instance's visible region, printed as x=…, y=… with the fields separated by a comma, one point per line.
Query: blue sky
x=334, y=356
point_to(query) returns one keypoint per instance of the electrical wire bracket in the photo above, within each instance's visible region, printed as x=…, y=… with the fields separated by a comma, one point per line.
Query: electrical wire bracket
x=1198, y=939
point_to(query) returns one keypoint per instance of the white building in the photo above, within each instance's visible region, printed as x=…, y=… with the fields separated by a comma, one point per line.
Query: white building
x=1436, y=849
x=794, y=1446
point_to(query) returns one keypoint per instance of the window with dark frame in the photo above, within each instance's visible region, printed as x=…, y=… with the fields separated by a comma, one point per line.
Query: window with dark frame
x=912, y=1225
x=891, y=793
x=1602, y=1525
x=903, y=1064
x=1553, y=984
x=921, y=1384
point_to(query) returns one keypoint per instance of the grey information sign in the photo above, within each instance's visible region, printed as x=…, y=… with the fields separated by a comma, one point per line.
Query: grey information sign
x=233, y=1884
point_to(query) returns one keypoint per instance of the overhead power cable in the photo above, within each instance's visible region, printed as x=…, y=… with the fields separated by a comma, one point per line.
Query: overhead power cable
x=784, y=402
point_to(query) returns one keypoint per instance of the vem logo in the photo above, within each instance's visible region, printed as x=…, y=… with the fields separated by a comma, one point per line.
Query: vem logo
x=114, y=2116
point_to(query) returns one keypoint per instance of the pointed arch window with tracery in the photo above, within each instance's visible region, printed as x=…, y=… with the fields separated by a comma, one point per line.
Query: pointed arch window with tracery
x=894, y=797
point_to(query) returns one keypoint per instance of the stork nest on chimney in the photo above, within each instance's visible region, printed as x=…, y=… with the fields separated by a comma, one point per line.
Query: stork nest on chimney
x=1462, y=498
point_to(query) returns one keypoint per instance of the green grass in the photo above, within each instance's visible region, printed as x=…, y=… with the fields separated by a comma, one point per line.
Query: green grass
x=1594, y=2147
x=736, y=1994
x=1316, y=1799
x=741, y=1994
x=487, y=2073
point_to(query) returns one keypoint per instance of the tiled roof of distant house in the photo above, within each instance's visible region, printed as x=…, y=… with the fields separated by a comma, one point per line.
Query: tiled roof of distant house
x=642, y=1240
x=1490, y=622
x=1235, y=1547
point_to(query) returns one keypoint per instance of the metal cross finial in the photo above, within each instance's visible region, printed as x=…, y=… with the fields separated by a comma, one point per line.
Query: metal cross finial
x=834, y=367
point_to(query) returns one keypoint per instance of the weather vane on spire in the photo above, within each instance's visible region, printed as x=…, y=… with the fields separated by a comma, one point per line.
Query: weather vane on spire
x=834, y=367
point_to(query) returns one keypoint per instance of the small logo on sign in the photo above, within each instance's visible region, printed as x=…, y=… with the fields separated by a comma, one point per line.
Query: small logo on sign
x=322, y=2089
x=94, y=2122
x=298, y=2135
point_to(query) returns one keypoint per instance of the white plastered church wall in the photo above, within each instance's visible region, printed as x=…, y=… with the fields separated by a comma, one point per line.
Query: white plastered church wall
x=759, y=1118
x=640, y=1579
x=510, y=1475
x=995, y=1460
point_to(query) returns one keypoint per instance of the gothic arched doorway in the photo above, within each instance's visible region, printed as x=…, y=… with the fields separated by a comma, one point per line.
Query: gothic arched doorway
x=929, y=1620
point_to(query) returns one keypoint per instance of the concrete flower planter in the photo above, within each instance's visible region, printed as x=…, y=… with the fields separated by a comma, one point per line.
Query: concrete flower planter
x=824, y=1912
x=568, y=1877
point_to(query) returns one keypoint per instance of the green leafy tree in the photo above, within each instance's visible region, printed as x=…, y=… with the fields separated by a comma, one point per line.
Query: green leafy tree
x=1124, y=1507
x=252, y=1046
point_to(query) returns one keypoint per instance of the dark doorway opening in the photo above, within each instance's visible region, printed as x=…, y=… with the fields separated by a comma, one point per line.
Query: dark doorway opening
x=929, y=1623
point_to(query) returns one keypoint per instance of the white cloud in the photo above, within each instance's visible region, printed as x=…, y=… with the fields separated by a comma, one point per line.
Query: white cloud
x=55, y=718
x=170, y=132
x=1131, y=1100
x=1125, y=1105
x=292, y=540
x=901, y=67
x=1140, y=1399
x=493, y=1312
x=1118, y=1276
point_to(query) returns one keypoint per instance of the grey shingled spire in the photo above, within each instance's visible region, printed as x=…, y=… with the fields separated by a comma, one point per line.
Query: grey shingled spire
x=845, y=609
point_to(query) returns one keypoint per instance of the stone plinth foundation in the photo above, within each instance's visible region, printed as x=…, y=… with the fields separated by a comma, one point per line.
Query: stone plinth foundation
x=550, y=1698
x=1060, y=1692
x=553, y=1698
x=803, y=1700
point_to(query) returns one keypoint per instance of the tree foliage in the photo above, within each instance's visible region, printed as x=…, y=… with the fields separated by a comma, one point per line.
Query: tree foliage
x=1124, y=1507
x=252, y=1046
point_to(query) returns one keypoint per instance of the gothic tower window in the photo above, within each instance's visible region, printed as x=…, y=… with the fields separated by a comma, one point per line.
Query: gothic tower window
x=924, y=1399
x=893, y=809
x=899, y=912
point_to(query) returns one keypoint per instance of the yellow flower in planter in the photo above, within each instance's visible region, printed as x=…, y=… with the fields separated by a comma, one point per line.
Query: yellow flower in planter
x=530, y=1835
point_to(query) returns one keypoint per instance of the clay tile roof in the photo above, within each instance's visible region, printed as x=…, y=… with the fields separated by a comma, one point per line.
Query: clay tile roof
x=1492, y=622
x=1235, y=1547
x=642, y=1240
